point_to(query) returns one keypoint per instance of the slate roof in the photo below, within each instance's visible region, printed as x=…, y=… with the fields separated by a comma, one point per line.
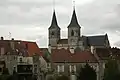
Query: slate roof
x=74, y=21
x=98, y=40
x=25, y=47
x=63, y=41
x=62, y=55
x=54, y=23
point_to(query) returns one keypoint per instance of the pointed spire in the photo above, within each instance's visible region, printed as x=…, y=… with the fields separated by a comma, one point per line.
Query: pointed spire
x=74, y=21
x=54, y=23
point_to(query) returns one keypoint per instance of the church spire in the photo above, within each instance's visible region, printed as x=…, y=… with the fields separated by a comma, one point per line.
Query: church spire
x=74, y=21
x=54, y=23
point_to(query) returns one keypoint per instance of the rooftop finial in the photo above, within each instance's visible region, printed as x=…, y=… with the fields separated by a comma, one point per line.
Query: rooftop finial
x=74, y=4
x=54, y=5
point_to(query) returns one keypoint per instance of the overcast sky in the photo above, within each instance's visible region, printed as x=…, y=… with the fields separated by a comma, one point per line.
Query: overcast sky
x=30, y=19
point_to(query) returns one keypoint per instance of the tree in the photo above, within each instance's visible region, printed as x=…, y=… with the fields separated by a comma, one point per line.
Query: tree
x=87, y=73
x=111, y=71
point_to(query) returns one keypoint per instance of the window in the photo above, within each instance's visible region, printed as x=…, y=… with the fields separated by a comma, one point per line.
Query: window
x=60, y=68
x=72, y=33
x=72, y=68
x=20, y=60
x=48, y=65
x=35, y=68
x=14, y=57
x=26, y=46
x=52, y=33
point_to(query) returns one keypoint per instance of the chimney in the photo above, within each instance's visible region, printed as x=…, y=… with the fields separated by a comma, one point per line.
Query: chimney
x=12, y=44
x=92, y=49
x=49, y=49
x=72, y=50
x=2, y=51
x=12, y=39
x=2, y=38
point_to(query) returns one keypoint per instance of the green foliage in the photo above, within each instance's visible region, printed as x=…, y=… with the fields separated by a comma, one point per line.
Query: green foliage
x=4, y=77
x=87, y=73
x=111, y=70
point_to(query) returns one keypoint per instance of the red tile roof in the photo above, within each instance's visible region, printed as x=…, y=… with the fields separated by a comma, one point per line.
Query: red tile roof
x=32, y=48
x=62, y=55
x=25, y=47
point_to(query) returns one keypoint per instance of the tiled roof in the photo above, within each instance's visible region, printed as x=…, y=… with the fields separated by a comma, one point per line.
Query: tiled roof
x=63, y=41
x=32, y=48
x=103, y=53
x=25, y=47
x=116, y=52
x=62, y=55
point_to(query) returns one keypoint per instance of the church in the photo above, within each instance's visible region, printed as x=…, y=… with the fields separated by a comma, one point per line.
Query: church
x=75, y=39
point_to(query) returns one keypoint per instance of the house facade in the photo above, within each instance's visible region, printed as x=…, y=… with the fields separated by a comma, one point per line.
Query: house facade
x=17, y=53
x=69, y=63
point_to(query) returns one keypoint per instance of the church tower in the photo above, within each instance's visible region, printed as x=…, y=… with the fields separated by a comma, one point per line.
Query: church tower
x=74, y=31
x=54, y=32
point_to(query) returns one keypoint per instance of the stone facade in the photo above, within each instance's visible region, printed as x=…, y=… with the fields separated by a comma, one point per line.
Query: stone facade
x=67, y=70
x=75, y=38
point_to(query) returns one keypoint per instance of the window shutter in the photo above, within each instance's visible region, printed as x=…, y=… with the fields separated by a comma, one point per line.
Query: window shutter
x=58, y=68
x=75, y=68
x=70, y=68
x=62, y=68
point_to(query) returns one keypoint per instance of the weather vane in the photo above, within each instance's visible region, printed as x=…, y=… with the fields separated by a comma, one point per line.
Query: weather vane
x=74, y=4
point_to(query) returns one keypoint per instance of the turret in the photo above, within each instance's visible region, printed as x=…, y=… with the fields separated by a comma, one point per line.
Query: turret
x=54, y=32
x=73, y=31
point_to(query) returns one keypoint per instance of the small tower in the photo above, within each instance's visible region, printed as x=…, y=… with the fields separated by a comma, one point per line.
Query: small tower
x=73, y=31
x=54, y=32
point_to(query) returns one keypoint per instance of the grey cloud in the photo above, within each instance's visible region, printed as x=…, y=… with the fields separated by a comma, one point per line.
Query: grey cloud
x=40, y=39
x=117, y=44
x=96, y=17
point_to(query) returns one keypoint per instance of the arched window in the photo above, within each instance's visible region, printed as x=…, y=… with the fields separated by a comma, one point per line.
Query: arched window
x=52, y=33
x=72, y=33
